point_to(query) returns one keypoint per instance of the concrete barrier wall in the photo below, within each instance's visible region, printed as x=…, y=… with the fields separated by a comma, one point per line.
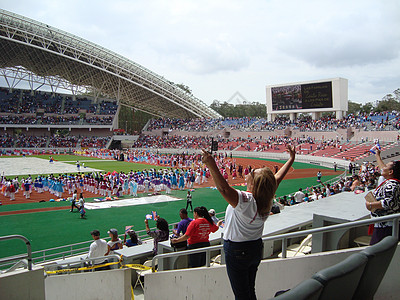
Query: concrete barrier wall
x=110, y=285
x=273, y=275
x=23, y=284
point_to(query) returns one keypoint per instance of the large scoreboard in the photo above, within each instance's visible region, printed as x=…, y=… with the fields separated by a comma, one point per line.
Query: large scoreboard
x=311, y=96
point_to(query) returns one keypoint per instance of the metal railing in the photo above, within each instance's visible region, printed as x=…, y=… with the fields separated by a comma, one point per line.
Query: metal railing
x=65, y=251
x=284, y=237
x=27, y=256
x=74, y=265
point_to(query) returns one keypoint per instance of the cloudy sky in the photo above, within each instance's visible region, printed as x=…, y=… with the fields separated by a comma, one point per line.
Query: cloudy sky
x=221, y=47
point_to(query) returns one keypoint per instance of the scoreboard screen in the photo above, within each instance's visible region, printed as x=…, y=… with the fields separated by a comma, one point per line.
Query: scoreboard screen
x=302, y=96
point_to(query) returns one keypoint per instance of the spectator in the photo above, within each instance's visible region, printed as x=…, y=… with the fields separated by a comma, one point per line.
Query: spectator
x=115, y=243
x=183, y=224
x=387, y=198
x=133, y=239
x=213, y=217
x=160, y=234
x=244, y=221
x=299, y=196
x=98, y=247
x=356, y=182
x=197, y=235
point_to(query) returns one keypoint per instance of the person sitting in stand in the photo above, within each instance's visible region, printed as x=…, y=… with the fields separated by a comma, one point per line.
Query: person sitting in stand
x=213, y=216
x=183, y=224
x=133, y=240
x=115, y=243
x=98, y=248
x=197, y=235
x=181, y=228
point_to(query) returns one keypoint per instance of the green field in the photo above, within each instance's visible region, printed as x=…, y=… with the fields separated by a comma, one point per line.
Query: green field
x=58, y=228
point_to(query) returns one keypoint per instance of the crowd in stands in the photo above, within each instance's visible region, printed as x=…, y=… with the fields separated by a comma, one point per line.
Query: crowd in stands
x=148, y=141
x=6, y=140
x=39, y=100
x=63, y=142
x=55, y=120
x=94, y=142
x=366, y=179
x=30, y=141
x=48, y=108
x=272, y=143
x=372, y=121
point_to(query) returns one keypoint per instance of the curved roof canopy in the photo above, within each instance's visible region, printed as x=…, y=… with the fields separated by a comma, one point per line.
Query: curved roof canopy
x=30, y=49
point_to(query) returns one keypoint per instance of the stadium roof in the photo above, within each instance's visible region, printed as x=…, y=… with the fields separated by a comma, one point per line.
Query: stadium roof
x=33, y=51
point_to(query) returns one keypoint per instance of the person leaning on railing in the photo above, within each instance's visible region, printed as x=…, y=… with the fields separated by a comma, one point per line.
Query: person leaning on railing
x=244, y=221
x=387, y=198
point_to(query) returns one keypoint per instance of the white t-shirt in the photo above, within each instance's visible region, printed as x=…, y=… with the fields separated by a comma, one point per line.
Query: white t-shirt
x=98, y=248
x=299, y=196
x=243, y=223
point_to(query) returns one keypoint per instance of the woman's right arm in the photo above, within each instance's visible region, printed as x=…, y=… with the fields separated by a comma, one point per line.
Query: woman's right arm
x=229, y=193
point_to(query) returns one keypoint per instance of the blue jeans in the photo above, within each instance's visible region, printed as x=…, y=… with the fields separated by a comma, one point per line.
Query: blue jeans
x=242, y=260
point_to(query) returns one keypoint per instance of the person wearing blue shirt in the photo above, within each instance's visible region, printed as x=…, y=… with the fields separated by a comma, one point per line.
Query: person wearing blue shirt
x=133, y=241
x=184, y=223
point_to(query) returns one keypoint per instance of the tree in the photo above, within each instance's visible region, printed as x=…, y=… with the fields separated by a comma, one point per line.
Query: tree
x=388, y=104
x=353, y=108
x=367, y=108
x=254, y=109
x=397, y=94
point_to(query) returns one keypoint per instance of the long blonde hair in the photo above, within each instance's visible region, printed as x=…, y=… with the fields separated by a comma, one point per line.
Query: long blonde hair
x=264, y=189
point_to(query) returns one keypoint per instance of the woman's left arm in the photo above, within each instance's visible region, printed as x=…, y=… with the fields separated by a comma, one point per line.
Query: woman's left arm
x=286, y=167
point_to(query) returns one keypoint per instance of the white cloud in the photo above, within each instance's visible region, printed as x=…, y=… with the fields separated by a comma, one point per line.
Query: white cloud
x=220, y=47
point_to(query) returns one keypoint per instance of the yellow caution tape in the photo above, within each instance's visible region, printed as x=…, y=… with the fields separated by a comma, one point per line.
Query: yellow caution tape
x=131, y=266
x=82, y=268
x=137, y=267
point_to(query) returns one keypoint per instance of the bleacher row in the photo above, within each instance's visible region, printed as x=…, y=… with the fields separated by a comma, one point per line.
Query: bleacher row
x=277, y=144
x=26, y=141
x=367, y=122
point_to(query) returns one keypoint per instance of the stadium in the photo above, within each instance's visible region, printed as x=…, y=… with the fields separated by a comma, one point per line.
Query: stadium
x=60, y=110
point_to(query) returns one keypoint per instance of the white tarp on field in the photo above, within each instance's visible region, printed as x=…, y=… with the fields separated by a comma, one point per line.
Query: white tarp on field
x=15, y=166
x=130, y=202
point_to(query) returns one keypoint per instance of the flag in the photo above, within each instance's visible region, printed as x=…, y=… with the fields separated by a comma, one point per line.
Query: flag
x=149, y=217
x=127, y=228
x=376, y=146
x=372, y=150
x=154, y=215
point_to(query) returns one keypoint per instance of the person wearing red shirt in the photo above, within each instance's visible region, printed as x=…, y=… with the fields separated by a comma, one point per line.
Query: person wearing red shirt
x=197, y=235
